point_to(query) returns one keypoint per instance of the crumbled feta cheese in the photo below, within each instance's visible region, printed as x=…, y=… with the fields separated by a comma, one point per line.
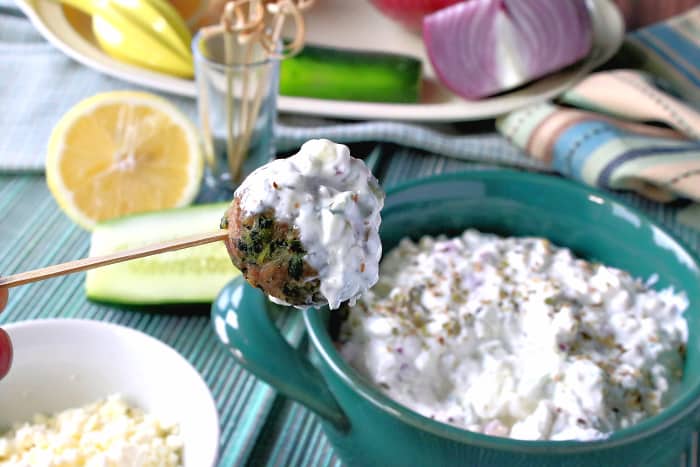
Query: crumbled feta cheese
x=515, y=337
x=107, y=433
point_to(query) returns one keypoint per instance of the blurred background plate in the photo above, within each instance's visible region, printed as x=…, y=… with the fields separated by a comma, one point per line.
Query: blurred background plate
x=350, y=24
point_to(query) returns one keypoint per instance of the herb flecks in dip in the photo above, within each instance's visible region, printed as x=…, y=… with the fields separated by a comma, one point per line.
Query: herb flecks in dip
x=305, y=229
x=516, y=337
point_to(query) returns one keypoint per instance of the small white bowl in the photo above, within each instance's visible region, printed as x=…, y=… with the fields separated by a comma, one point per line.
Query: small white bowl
x=64, y=363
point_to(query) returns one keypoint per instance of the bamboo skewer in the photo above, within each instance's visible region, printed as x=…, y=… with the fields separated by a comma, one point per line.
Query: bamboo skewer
x=246, y=26
x=241, y=30
x=230, y=101
x=250, y=42
x=243, y=128
x=98, y=261
x=279, y=10
x=248, y=115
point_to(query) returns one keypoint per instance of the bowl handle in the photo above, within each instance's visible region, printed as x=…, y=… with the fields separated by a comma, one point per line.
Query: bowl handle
x=240, y=315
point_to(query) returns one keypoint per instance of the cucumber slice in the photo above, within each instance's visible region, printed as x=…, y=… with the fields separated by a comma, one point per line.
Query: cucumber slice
x=193, y=275
x=343, y=74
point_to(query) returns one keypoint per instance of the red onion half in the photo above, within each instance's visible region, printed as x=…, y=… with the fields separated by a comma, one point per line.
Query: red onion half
x=482, y=47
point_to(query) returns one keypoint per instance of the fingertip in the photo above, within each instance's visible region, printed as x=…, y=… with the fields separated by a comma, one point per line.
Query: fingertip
x=5, y=353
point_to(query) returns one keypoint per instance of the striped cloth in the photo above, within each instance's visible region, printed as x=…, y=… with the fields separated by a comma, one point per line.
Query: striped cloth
x=628, y=129
x=671, y=50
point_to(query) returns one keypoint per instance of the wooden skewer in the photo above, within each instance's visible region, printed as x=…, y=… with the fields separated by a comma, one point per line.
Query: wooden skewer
x=97, y=261
x=227, y=19
x=243, y=30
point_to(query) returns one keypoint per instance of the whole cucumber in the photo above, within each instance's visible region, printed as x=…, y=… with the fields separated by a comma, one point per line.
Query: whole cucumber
x=343, y=74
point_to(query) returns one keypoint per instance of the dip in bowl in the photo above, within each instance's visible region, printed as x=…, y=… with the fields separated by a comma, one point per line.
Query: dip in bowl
x=368, y=428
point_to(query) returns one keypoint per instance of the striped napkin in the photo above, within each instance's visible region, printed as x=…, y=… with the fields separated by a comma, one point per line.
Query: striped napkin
x=628, y=129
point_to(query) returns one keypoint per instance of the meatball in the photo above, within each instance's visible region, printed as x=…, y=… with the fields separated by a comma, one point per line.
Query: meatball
x=305, y=229
x=270, y=256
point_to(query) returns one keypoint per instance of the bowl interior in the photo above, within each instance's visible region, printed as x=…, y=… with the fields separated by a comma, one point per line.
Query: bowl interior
x=589, y=222
x=61, y=364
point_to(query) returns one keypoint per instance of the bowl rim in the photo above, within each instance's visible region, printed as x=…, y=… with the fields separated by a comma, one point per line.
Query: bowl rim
x=323, y=344
x=187, y=368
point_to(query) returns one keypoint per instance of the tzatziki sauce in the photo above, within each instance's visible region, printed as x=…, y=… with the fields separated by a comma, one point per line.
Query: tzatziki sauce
x=515, y=337
x=334, y=201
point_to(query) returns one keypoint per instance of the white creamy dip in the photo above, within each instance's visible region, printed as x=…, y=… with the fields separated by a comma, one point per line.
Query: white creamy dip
x=334, y=201
x=515, y=337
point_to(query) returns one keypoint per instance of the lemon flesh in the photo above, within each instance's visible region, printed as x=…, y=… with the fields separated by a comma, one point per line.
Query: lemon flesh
x=121, y=153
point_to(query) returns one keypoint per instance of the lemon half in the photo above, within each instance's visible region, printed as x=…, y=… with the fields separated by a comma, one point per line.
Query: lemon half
x=120, y=153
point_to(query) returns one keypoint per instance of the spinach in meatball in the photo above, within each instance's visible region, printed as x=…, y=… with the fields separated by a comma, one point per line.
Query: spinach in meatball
x=270, y=256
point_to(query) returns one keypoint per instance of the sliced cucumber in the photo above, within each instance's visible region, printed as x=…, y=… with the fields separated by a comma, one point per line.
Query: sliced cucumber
x=344, y=74
x=193, y=275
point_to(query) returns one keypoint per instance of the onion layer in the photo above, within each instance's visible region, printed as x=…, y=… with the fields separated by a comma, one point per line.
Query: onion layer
x=482, y=47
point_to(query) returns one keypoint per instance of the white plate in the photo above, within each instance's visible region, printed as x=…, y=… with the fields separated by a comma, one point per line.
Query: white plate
x=356, y=23
x=64, y=363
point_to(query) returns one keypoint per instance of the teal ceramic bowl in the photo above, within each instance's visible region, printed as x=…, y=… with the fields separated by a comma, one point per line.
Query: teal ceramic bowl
x=368, y=429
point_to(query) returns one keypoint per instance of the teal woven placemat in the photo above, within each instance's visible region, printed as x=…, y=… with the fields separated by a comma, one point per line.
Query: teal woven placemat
x=258, y=426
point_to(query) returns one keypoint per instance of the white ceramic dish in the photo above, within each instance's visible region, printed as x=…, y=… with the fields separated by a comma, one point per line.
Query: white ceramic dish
x=356, y=24
x=63, y=363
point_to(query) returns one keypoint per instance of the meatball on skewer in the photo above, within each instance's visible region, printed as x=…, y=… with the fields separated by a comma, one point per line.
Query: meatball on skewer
x=305, y=229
